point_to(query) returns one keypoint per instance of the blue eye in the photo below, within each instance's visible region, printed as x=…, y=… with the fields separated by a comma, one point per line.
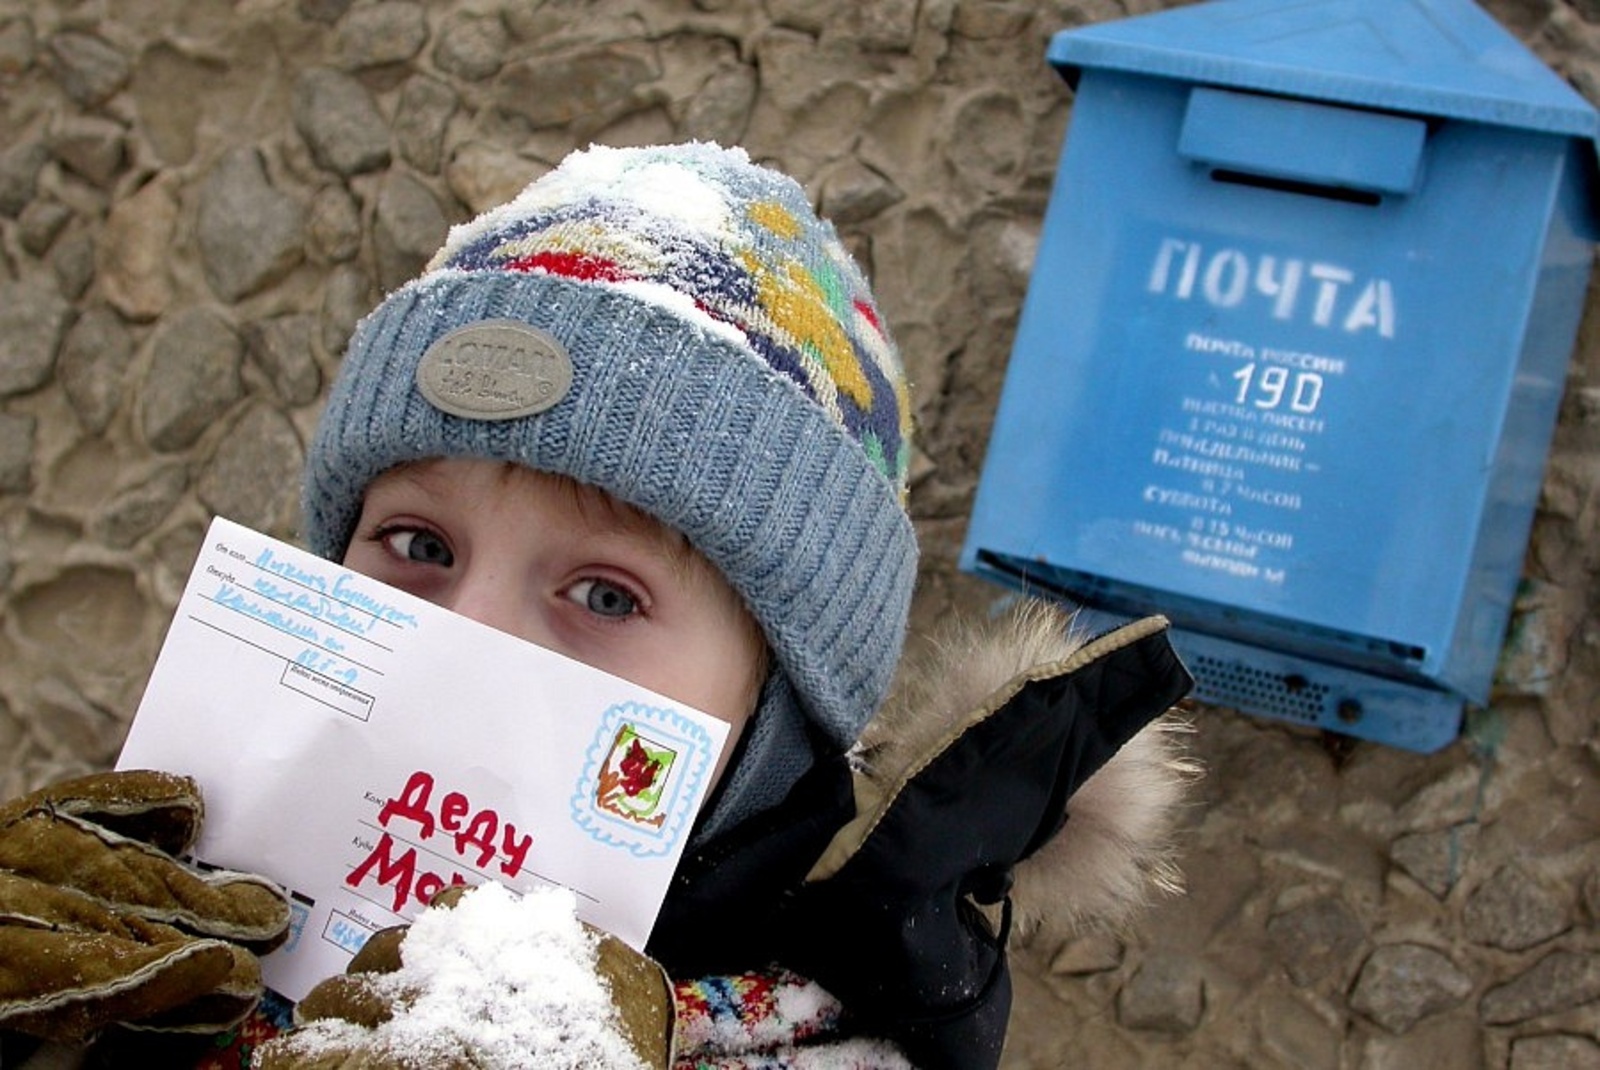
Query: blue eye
x=424, y=547
x=604, y=599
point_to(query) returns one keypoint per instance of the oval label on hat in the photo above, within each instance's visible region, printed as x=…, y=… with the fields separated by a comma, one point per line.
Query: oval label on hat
x=495, y=370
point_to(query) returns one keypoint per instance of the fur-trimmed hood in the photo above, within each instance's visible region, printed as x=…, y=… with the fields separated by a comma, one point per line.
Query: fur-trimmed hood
x=1021, y=774
x=1116, y=851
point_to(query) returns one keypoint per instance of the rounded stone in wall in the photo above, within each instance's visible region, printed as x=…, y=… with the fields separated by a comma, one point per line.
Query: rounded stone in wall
x=72, y=260
x=90, y=69
x=372, y=35
x=134, y=250
x=420, y=121
x=322, y=10
x=1166, y=994
x=340, y=122
x=84, y=616
x=347, y=296
x=1513, y=911
x=281, y=347
x=1401, y=984
x=993, y=147
x=853, y=192
x=720, y=111
x=93, y=366
x=254, y=476
x=1555, y=1051
x=75, y=483
x=92, y=148
x=471, y=46
x=1558, y=982
x=40, y=224
x=409, y=228
x=170, y=89
x=1317, y=941
x=16, y=451
x=19, y=175
x=18, y=46
x=1435, y=859
x=67, y=726
x=33, y=316
x=589, y=87
x=251, y=234
x=481, y=174
x=333, y=225
x=192, y=379
x=138, y=510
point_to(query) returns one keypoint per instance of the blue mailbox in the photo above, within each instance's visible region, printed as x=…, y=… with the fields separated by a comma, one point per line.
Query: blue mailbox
x=1293, y=347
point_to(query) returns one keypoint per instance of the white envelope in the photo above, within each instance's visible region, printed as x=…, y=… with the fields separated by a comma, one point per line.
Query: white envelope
x=366, y=748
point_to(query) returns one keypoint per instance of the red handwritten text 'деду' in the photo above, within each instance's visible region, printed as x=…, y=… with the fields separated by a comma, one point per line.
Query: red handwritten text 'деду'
x=477, y=838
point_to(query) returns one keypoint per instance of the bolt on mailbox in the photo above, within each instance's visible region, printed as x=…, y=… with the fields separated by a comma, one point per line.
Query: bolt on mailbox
x=1293, y=346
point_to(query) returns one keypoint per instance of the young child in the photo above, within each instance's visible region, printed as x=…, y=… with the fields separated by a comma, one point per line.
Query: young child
x=647, y=414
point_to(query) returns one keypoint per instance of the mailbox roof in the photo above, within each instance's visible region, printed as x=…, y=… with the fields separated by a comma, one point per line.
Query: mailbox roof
x=1444, y=58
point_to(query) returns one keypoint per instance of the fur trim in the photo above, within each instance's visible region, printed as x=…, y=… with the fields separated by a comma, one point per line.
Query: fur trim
x=952, y=675
x=1117, y=851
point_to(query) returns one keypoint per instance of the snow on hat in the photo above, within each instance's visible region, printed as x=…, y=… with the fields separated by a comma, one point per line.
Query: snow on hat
x=676, y=326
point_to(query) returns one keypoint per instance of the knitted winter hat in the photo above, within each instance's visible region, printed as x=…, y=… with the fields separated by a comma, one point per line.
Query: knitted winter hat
x=676, y=326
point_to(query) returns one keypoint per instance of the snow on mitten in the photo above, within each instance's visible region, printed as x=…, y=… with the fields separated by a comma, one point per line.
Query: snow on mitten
x=100, y=925
x=965, y=775
x=483, y=980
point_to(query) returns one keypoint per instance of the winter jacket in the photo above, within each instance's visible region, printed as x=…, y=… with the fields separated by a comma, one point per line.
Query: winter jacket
x=1018, y=774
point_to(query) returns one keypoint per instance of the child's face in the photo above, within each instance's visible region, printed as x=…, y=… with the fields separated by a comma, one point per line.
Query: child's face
x=563, y=566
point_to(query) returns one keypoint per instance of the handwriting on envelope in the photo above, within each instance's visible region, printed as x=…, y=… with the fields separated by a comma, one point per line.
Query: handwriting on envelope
x=482, y=836
x=366, y=749
x=341, y=624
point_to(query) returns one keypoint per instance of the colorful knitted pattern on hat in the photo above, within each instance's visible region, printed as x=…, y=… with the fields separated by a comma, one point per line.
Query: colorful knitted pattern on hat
x=735, y=247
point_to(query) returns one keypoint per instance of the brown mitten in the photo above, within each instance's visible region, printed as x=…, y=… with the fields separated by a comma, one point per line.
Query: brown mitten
x=487, y=972
x=100, y=925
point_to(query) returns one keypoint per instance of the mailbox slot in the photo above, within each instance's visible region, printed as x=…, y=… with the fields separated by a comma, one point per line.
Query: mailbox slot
x=1303, y=146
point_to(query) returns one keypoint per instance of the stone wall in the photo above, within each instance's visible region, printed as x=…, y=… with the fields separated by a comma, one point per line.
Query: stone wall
x=199, y=198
